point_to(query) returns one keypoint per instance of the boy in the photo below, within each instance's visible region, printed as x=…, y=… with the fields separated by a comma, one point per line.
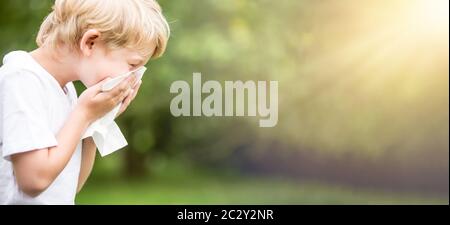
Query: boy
x=43, y=159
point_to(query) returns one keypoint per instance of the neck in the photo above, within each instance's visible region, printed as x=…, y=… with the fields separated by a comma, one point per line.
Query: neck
x=56, y=65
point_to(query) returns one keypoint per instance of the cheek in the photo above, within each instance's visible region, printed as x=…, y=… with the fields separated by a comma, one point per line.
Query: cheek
x=97, y=72
x=91, y=78
x=90, y=72
x=101, y=75
x=101, y=68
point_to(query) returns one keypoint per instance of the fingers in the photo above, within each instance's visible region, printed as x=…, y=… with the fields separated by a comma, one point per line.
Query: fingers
x=129, y=98
x=135, y=90
x=125, y=95
x=119, y=93
x=125, y=103
x=123, y=86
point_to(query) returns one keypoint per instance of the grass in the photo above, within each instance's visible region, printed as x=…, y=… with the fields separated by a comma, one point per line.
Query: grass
x=209, y=188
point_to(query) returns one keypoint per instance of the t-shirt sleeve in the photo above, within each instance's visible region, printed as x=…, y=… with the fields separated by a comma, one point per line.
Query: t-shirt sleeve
x=25, y=115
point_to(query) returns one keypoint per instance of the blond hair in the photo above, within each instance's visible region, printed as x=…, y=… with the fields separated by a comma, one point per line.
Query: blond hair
x=133, y=24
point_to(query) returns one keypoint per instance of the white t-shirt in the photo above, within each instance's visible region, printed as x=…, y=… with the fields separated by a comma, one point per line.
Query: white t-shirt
x=33, y=108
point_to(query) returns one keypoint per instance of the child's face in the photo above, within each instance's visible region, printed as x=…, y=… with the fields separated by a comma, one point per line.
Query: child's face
x=102, y=64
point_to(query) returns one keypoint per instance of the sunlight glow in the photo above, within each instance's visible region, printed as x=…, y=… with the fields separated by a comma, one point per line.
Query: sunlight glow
x=430, y=15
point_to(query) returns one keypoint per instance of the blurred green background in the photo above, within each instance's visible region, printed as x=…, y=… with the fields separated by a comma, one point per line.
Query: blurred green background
x=363, y=105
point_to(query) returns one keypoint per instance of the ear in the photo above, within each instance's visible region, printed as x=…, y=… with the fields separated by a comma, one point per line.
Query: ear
x=90, y=39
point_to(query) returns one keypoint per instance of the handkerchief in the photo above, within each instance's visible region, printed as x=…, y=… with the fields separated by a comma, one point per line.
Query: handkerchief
x=106, y=134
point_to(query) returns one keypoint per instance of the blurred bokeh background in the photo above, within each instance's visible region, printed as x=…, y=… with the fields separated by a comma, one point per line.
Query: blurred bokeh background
x=363, y=105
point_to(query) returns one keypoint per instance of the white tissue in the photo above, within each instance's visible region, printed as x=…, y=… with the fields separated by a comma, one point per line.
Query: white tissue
x=106, y=134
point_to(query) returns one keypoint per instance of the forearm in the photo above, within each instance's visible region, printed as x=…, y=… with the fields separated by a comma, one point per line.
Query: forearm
x=87, y=161
x=68, y=138
x=36, y=170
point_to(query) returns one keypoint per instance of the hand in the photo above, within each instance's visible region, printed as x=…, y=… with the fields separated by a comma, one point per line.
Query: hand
x=126, y=102
x=93, y=103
